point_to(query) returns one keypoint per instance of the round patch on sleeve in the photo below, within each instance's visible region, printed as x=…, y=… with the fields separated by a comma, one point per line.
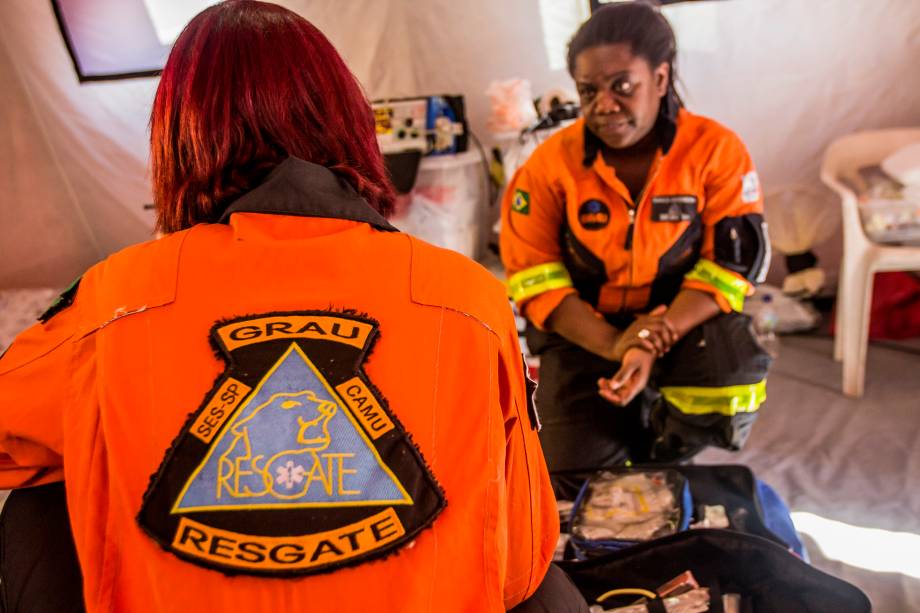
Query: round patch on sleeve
x=293, y=464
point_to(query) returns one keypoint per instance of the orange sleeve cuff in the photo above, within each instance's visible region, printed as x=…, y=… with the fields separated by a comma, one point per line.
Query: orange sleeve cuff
x=538, y=308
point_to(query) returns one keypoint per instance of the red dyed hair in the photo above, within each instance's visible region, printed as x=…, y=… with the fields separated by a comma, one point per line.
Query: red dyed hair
x=248, y=84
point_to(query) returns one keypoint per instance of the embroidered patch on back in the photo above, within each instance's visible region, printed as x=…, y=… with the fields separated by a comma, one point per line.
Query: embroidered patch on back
x=293, y=464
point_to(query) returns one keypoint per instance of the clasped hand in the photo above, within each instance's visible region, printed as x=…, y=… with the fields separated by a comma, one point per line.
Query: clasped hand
x=652, y=332
x=647, y=338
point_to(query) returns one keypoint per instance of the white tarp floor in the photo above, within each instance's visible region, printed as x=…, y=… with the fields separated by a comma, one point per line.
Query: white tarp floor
x=846, y=460
x=833, y=459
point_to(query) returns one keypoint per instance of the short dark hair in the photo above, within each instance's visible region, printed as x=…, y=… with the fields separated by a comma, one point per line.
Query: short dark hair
x=637, y=24
x=248, y=84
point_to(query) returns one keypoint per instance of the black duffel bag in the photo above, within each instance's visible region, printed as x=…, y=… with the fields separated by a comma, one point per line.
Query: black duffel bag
x=752, y=558
x=766, y=575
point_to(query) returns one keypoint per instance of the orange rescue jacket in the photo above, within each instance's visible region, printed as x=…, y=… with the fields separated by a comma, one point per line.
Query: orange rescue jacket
x=569, y=224
x=301, y=411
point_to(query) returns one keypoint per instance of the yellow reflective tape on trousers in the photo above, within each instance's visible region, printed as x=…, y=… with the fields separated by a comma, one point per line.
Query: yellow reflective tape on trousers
x=728, y=400
x=533, y=281
x=729, y=285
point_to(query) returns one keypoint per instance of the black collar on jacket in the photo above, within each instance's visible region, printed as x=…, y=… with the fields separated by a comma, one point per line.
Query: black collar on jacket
x=298, y=187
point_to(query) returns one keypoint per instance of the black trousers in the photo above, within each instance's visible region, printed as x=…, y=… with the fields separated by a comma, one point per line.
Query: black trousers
x=582, y=431
x=557, y=594
x=39, y=571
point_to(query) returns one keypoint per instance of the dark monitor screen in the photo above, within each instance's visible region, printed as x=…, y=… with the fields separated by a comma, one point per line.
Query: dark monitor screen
x=113, y=39
x=596, y=4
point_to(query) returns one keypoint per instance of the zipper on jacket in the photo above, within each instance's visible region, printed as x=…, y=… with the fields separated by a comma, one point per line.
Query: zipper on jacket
x=629, y=229
x=632, y=211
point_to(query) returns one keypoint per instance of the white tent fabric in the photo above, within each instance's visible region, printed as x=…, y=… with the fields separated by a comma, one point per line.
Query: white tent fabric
x=800, y=216
x=788, y=76
x=72, y=158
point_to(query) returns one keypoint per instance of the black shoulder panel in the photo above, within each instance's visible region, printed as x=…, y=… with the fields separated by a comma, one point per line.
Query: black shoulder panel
x=61, y=302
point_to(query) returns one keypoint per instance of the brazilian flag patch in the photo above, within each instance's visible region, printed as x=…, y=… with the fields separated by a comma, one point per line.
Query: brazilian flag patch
x=293, y=464
x=520, y=202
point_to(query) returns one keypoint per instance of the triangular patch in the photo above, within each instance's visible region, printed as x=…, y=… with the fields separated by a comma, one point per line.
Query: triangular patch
x=291, y=444
x=293, y=464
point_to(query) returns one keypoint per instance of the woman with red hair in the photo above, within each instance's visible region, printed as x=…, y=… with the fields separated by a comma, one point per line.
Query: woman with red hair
x=282, y=404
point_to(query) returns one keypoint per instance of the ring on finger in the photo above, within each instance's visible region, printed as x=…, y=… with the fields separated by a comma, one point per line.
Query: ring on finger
x=643, y=333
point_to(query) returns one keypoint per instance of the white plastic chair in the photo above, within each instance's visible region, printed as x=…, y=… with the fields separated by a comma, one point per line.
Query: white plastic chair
x=862, y=257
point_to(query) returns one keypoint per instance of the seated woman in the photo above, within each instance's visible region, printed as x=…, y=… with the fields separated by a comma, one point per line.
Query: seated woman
x=631, y=239
x=282, y=404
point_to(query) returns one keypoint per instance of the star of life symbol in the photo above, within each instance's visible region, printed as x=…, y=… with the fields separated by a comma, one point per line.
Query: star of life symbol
x=289, y=474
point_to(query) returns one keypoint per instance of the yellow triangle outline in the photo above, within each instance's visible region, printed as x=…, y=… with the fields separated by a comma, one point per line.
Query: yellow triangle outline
x=407, y=499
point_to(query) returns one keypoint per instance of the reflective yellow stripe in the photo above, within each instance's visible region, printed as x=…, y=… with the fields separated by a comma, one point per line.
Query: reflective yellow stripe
x=536, y=280
x=728, y=284
x=725, y=400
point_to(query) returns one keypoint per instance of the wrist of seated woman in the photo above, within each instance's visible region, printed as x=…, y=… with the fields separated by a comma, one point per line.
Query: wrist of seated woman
x=614, y=344
x=603, y=337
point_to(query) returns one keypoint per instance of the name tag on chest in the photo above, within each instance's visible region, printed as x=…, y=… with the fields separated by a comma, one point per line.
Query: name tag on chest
x=674, y=208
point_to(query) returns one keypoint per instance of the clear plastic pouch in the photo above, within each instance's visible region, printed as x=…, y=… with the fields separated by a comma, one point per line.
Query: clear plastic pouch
x=617, y=508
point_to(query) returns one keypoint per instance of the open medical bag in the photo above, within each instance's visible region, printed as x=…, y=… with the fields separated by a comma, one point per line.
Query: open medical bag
x=766, y=576
x=756, y=555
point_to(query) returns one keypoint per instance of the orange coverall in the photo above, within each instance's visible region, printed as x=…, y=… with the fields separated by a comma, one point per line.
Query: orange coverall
x=570, y=226
x=189, y=358
x=568, y=221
